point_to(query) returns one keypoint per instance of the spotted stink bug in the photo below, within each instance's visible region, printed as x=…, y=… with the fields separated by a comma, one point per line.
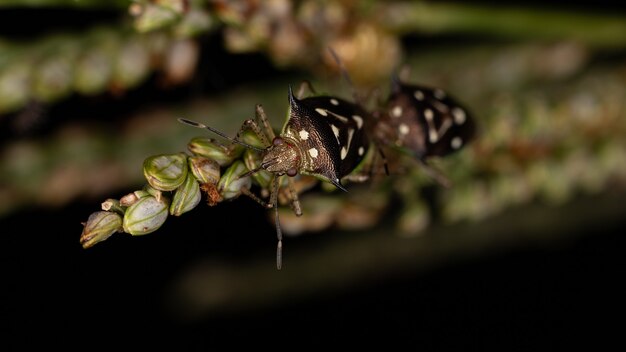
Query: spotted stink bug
x=423, y=122
x=323, y=137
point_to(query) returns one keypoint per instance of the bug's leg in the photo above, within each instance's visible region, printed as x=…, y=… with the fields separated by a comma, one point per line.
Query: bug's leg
x=252, y=125
x=262, y=118
x=295, y=200
x=382, y=155
x=303, y=87
x=435, y=174
x=279, y=233
x=256, y=198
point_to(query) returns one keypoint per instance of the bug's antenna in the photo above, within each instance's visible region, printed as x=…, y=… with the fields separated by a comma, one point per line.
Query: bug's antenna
x=219, y=133
x=435, y=174
x=344, y=74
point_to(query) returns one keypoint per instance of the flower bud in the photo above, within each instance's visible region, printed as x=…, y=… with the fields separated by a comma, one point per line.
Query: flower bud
x=248, y=136
x=186, y=197
x=205, y=170
x=165, y=172
x=231, y=183
x=209, y=148
x=100, y=226
x=152, y=17
x=146, y=215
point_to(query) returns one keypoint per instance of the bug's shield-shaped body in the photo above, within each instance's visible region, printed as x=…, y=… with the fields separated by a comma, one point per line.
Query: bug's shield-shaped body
x=330, y=134
x=424, y=121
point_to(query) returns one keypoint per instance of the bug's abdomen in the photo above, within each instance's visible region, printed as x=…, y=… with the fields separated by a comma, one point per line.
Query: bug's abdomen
x=425, y=122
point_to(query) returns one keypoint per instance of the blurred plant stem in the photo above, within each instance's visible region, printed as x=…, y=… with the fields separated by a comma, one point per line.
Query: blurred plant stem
x=504, y=21
x=537, y=119
x=87, y=4
x=290, y=34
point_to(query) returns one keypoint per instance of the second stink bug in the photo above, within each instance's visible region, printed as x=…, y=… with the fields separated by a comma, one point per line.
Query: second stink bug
x=423, y=122
x=323, y=137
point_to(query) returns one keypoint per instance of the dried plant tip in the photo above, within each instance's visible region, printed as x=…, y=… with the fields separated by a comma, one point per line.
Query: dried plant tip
x=113, y=205
x=132, y=198
x=212, y=193
x=186, y=197
x=100, y=226
x=165, y=172
x=145, y=216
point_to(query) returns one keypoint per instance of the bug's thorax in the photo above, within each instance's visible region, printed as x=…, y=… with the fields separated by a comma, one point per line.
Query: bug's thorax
x=283, y=157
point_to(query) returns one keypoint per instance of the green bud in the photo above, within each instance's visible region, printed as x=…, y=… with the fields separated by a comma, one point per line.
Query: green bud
x=100, y=226
x=132, y=63
x=152, y=17
x=231, y=183
x=205, y=170
x=145, y=216
x=186, y=197
x=53, y=77
x=153, y=192
x=165, y=172
x=209, y=148
x=194, y=22
x=252, y=159
x=94, y=68
x=15, y=85
x=250, y=137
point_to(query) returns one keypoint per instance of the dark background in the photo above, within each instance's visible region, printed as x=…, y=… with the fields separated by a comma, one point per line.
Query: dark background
x=55, y=293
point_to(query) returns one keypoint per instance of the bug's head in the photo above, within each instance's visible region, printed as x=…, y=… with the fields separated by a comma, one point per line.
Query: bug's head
x=281, y=157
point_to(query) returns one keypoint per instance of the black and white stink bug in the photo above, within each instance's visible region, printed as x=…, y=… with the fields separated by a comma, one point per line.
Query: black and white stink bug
x=423, y=122
x=323, y=137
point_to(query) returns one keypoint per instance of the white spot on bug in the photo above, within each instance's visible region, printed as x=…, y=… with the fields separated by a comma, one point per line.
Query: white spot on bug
x=350, y=134
x=359, y=121
x=439, y=94
x=456, y=142
x=419, y=95
x=433, y=136
x=341, y=118
x=313, y=152
x=396, y=111
x=322, y=111
x=304, y=135
x=334, y=101
x=428, y=114
x=361, y=151
x=335, y=132
x=459, y=115
x=403, y=129
x=344, y=153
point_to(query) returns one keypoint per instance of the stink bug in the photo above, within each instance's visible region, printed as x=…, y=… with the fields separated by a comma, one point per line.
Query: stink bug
x=423, y=122
x=323, y=137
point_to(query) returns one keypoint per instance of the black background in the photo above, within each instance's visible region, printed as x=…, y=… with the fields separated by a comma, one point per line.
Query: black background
x=54, y=293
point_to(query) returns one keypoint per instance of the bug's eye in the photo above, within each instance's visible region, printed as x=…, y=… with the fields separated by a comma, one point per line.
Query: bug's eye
x=278, y=141
x=292, y=172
